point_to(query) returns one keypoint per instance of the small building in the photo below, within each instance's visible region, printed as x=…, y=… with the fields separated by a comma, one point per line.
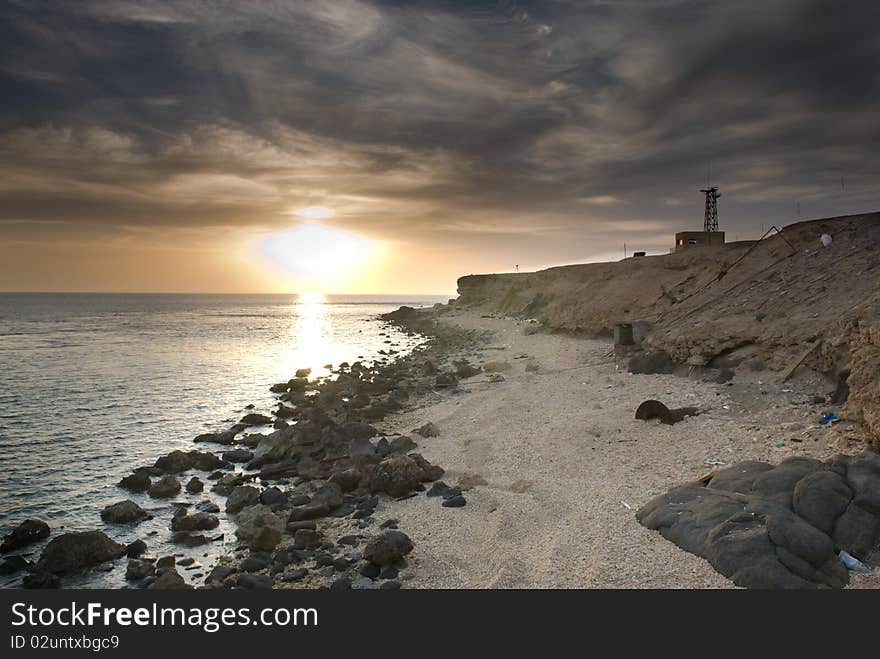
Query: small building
x=684, y=239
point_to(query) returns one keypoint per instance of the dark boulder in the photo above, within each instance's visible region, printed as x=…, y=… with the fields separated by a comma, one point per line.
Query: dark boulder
x=136, y=482
x=26, y=533
x=124, y=512
x=165, y=487
x=74, y=551
x=387, y=548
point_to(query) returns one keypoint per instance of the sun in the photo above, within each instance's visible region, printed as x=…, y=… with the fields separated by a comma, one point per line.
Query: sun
x=315, y=251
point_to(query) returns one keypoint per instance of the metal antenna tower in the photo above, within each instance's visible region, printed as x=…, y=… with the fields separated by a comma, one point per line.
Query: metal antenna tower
x=711, y=221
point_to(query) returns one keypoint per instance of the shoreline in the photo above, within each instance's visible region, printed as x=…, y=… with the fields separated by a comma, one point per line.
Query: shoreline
x=555, y=467
x=536, y=433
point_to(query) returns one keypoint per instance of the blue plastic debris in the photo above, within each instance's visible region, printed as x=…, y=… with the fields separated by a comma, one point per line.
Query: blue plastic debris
x=828, y=418
x=853, y=564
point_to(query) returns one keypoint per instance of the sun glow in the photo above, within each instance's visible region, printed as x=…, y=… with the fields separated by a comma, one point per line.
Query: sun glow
x=318, y=257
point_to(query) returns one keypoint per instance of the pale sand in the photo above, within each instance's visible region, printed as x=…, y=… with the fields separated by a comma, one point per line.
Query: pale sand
x=563, y=458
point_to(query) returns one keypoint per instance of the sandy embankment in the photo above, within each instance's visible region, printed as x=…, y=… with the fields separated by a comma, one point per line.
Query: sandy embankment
x=566, y=466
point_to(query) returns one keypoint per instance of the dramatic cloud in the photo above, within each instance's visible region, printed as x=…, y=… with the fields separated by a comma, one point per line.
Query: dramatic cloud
x=468, y=136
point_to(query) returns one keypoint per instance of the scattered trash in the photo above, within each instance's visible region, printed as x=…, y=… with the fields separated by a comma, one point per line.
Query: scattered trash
x=780, y=444
x=825, y=239
x=853, y=564
x=829, y=417
x=714, y=463
x=626, y=505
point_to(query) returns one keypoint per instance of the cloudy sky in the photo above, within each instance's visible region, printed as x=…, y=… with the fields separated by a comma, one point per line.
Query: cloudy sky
x=238, y=146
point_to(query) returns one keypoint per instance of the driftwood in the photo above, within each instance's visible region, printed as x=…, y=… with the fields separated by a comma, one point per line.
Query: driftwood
x=800, y=361
x=654, y=409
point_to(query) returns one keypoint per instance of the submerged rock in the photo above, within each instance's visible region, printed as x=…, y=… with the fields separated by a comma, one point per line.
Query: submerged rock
x=124, y=512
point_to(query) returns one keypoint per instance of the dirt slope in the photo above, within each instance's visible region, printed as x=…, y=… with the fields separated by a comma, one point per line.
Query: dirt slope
x=780, y=296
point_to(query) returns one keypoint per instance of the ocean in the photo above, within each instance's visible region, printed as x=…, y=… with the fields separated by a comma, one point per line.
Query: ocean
x=94, y=385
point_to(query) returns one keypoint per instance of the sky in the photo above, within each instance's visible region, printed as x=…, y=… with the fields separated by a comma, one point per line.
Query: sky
x=391, y=147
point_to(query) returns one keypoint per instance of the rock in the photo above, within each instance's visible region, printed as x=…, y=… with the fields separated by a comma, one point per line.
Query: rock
x=124, y=512
x=137, y=570
x=429, y=472
x=387, y=548
x=389, y=572
x=396, y=475
x=175, y=462
x=195, y=522
x=238, y=455
x=74, y=551
x=362, y=584
x=207, y=507
x=456, y=501
x=166, y=561
x=428, y=430
x=194, y=486
x=445, y=380
x=218, y=574
x=362, y=452
x=170, y=579
x=308, y=511
x=259, y=528
x=342, y=583
x=273, y=497
x=136, y=482
x=26, y=533
x=165, y=487
x=241, y=497
x=294, y=526
x=256, y=562
x=255, y=420
x=755, y=542
x=329, y=495
x=255, y=582
x=401, y=444
x=496, y=367
x=303, y=372
x=438, y=489
x=651, y=362
x=136, y=549
x=189, y=539
x=13, y=564
x=306, y=539
x=466, y=370
x=390, y=585
x=347, y=479
x=41, y=580
x=495, y=377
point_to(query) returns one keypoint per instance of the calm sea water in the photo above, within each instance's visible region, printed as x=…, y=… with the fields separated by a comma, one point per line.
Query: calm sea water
x=93, y=385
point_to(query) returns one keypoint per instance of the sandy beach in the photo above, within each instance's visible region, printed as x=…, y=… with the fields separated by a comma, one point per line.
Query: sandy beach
x=558, y=466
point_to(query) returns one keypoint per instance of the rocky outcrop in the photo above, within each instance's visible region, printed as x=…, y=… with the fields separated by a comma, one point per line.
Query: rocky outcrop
x=777, y=527
x=863, y=401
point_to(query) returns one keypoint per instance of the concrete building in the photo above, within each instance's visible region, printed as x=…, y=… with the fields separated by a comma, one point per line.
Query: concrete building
x=684, y=239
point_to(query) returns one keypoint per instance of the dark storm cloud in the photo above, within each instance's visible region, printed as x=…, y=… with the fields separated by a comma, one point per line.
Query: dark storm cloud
x=451, y=117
